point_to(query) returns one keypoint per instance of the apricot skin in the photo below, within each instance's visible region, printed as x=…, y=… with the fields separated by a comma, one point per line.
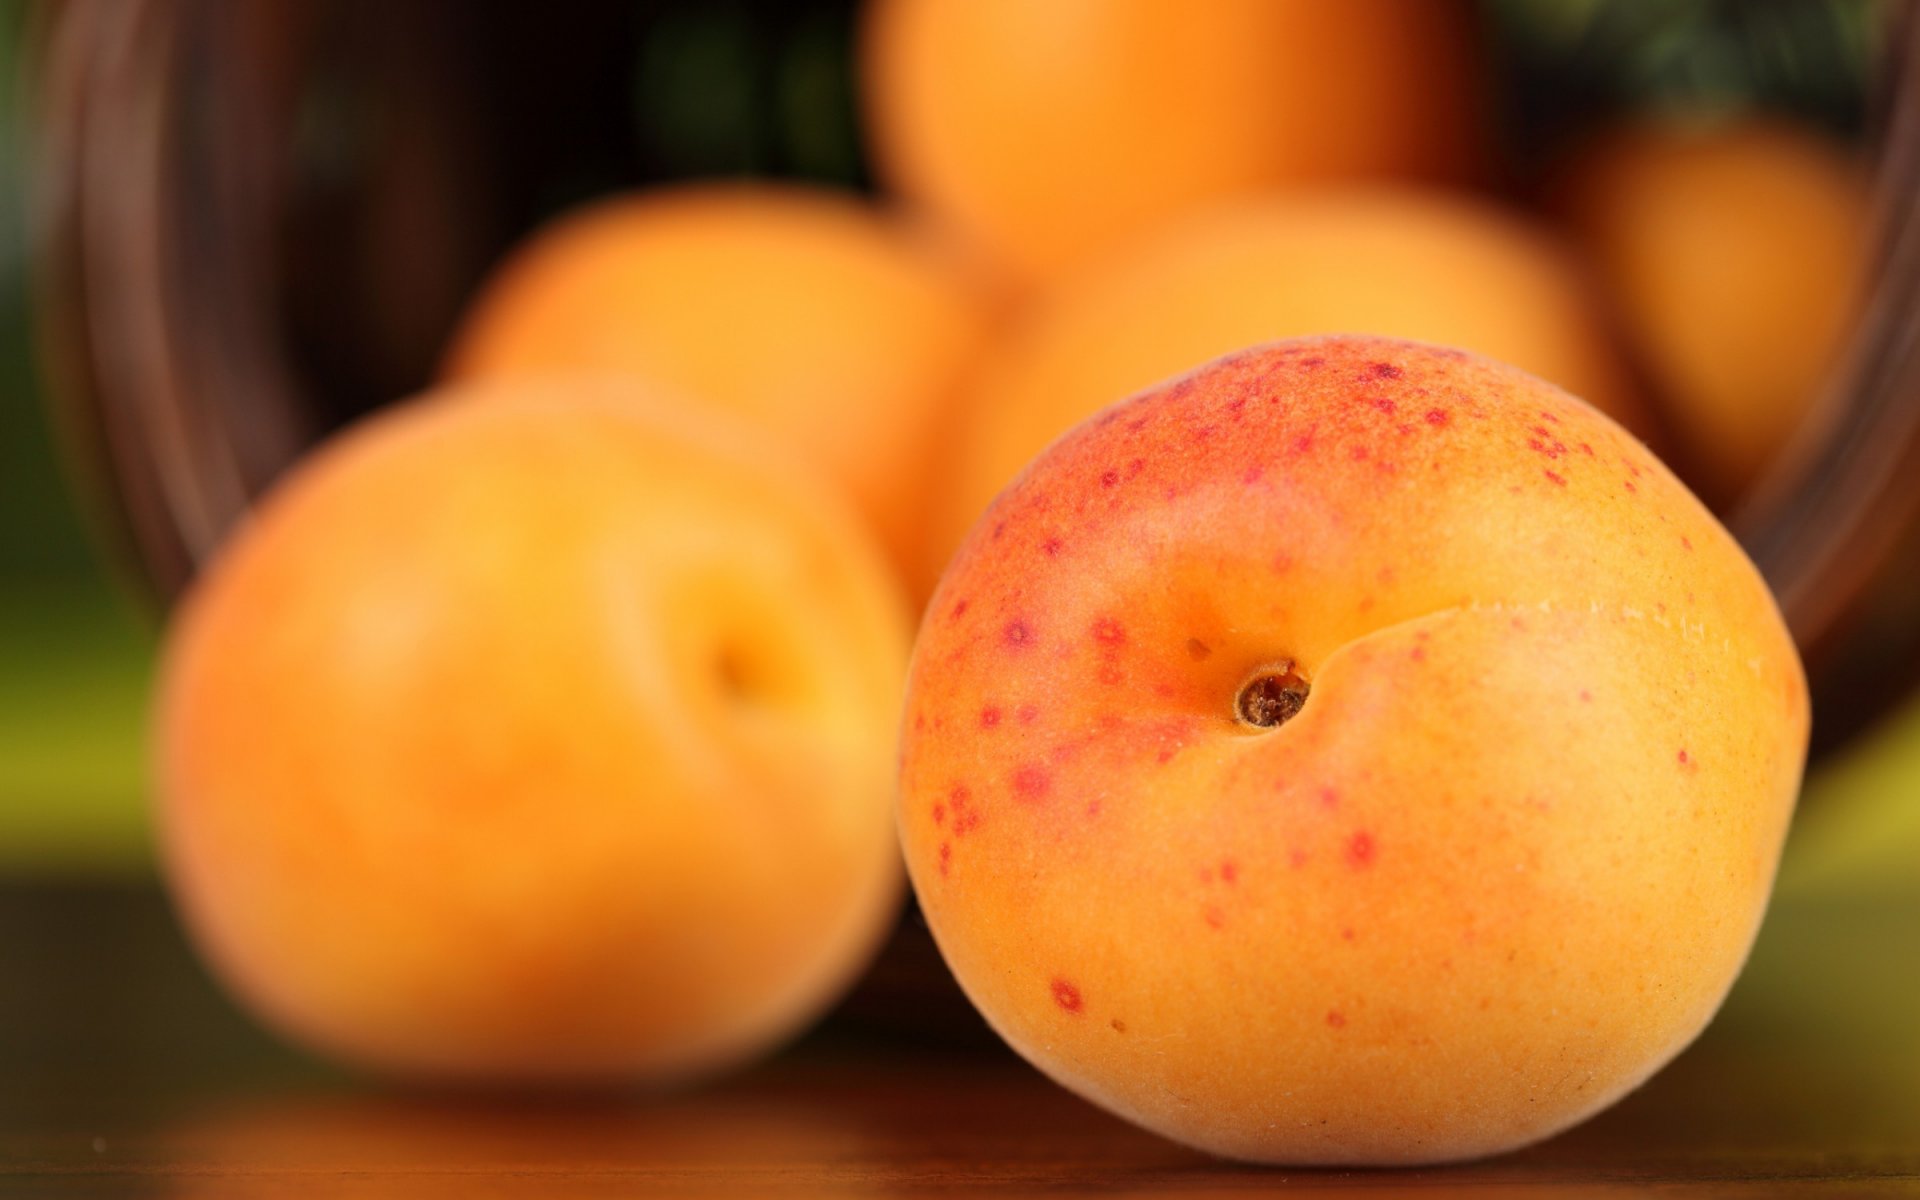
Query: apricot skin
x=1048, y=134
x=536, y=734
x=1503, y=864
x=1391, y=261
x=804, y=312
x=1736, y=256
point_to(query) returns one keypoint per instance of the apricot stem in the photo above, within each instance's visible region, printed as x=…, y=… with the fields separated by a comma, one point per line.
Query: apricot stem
x=1271, y=697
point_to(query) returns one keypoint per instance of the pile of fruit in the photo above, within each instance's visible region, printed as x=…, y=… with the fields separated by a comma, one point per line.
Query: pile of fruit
x=1351, y=749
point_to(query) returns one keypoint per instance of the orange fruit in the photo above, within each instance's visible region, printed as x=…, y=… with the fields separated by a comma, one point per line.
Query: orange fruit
x=1734, y=253
x=1046, y=132
x=544, y=734
x=804, y=312
x=1394, y=262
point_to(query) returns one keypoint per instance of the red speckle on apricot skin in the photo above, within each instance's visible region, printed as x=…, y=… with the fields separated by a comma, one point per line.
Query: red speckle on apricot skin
x=1684, y=759
x=1436, y=416
x=1026, y=713
x=1297, y=858
x=1346, y=935
x=1109, y=675
x=999, y=527
x=1329, y=798
x=1384, y=405
x=1554, y=479
x=1336, y=1019
x=959, y=609
x=989, y=717
x=946, y=859
x=1418, y=654
x=1686, y=543
x=1031, y=783
x=1586, y=697
x=1165, y=756
x=1067, y=996
x=1545, y=415
x=1109, y=632
x=1051, y=547
x=1629, y=485
x=1360, y=850
x=939, y=814
x=1229, y=871
x=1118, y=1025
x=1017, y=633
x=1384, y=370
x=966, y=818
x=1109, y=478
x=1212, y=915
x=1313, y=363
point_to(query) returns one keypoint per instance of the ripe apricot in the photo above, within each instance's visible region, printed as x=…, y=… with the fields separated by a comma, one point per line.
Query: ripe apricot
x=536, y=732
x=1735, y=253
x=1048, y=133
x=1354, y=752
x=802, y=311
x=1385, y=261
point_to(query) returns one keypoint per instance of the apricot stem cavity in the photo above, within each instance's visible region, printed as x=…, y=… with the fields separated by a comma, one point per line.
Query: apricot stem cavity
x=1272, y=697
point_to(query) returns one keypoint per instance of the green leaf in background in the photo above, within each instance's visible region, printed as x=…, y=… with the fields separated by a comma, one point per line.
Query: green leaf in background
x=1565, y=63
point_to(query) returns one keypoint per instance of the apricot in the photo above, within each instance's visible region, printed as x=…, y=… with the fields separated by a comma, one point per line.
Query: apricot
x=1353, y=752
x=1045, y=134
x=1384, y=261
x=1735, y=253
x=798, y=310
x=536, y=733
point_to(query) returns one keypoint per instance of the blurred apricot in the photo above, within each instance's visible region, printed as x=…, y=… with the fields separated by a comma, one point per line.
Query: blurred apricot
x=1047, y=132
x=1394, y=262
x=804, y=311
x=1734, y=253
x=544, y=734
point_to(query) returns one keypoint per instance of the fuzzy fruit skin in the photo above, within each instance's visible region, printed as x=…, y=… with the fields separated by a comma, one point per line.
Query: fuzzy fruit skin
x=1502, y=866
x=835, y=327
x=1391, y=261
x=536, y=734
x=1048, y=134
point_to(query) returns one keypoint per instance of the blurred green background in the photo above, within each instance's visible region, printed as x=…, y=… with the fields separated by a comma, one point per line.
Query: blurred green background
x=75, y=653
x=758, y=88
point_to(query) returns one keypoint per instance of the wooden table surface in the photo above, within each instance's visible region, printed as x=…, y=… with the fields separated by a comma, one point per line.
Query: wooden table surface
x=122, y=1072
